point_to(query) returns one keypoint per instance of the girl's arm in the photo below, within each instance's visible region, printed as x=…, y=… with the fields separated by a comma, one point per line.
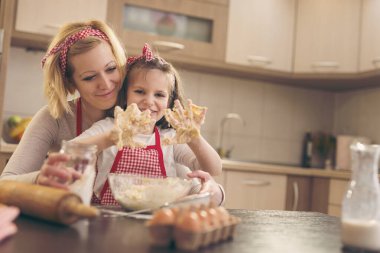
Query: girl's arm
x=99, y=134
x=207, y=157
x=102, y=141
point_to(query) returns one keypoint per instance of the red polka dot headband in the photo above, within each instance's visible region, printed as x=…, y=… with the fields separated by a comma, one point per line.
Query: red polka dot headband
x=69, y=41
x=147, y=54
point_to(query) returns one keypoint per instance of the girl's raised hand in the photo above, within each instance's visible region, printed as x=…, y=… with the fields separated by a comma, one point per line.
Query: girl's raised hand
x=187, y=122
x=129, y=123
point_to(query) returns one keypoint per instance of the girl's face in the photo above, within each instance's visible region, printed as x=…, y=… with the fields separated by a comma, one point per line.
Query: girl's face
x=96, y=76
x=149, y=89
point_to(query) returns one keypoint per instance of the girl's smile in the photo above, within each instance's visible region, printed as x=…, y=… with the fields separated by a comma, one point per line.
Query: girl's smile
x=149, y=89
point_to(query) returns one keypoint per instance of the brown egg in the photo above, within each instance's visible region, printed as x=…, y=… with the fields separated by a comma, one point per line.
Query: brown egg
x=163, y=216
x=214, y=219
x=223, y=214
x=204, y=219
x=189, y=221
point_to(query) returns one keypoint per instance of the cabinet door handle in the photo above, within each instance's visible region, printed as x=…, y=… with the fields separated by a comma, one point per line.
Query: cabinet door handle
x=258, y=60
x=168, y=45
x=295, y=195
x=325, y=65
x=253, y=182
x=376, y=62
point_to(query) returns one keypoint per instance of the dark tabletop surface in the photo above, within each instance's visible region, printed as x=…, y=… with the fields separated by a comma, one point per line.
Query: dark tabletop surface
x=259, y=231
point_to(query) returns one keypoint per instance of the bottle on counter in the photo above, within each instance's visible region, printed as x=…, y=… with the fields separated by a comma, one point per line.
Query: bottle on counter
x=360, y=207
x=307, y=150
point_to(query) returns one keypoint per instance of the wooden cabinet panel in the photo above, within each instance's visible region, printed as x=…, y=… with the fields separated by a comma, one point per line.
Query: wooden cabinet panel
x=46, y=16
x=298, y=193
x=320, y=194
x=370, y=36
x=327, y=37
x=337, y=191
x=261, y=33
x=250, y=190
x=6, y=23
x=180, y=30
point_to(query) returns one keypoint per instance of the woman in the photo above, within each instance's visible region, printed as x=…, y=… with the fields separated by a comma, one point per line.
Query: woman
x=84, y=57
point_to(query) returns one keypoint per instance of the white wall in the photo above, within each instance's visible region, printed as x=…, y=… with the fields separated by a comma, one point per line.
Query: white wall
x=23, y=90
x=276, y=116
x=358, y=113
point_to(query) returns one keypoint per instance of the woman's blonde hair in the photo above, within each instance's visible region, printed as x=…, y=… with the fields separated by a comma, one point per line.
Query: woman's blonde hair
x=58, y=85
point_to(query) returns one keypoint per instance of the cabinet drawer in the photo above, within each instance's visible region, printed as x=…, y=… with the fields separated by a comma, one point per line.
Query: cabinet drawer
x=248, y=190
x=337, y=190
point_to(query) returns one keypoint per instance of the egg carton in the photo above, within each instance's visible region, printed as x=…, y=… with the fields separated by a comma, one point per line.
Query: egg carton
x=191, y=228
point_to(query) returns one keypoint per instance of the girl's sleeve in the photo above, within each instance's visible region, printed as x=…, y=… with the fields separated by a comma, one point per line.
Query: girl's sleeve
x=98, y=127
x=27, y=159
x=185, y=156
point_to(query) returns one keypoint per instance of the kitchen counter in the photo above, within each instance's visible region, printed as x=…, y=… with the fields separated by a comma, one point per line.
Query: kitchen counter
x=259, y=231
x=284, y=169
x=7, y=149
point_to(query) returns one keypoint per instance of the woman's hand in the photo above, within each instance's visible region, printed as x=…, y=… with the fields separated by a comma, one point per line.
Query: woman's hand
x=54, y=173
x=208, y=185
x=187, y=123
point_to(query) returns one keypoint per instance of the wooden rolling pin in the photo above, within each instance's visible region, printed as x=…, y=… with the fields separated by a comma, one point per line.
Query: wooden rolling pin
x=44, y=202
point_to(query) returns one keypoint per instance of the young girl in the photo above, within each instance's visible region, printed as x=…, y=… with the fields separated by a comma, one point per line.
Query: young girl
x=152, y=84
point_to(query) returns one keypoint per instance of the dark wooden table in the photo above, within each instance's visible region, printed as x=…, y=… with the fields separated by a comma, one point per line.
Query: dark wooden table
x=260, y=231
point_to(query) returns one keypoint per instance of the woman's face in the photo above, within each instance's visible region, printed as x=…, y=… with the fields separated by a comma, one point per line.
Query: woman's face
x=149, y=89
x=96, y=76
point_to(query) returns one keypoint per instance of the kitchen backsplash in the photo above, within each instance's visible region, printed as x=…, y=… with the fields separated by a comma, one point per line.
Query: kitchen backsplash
x=276, y=117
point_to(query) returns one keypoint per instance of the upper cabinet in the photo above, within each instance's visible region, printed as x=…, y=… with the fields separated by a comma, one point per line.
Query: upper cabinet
x=327, y=37
x=261, y=33
x=46, y=16
x=181, y=30
x=370, y=36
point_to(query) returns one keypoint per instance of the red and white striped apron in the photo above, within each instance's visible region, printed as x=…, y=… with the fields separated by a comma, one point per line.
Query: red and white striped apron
x=147, y=161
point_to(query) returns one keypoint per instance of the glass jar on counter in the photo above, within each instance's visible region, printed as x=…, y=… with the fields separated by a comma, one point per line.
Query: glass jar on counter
x=83, y=160
x=361, y=204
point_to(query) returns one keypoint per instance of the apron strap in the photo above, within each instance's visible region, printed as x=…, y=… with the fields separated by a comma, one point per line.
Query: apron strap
x=159, y=150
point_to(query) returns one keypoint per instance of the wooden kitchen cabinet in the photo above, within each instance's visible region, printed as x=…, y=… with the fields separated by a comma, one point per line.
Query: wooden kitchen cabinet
x=180, y=30
x=370, y=36
x=261, y=33
x=250, y=190
x=38, y=20
x=6, y=23
x=298, y=193
x=337, y=191
x=327, y=37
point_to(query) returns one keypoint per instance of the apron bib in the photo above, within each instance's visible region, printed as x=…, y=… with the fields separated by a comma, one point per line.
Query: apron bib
x=147, y=161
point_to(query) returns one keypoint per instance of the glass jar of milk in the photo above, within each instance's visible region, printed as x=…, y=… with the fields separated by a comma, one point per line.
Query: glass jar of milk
x=83, y=160
x=360, y=207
